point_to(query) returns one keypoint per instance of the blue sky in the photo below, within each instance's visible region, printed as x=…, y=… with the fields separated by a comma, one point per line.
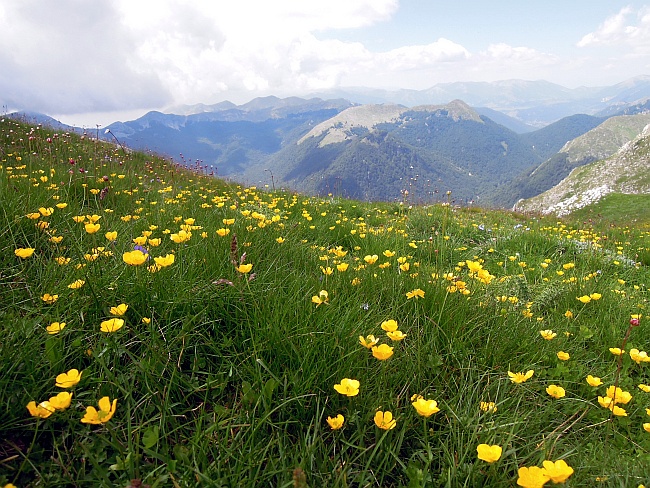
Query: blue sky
x=96, y=62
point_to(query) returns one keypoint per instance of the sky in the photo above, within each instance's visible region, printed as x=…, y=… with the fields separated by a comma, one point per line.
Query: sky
x=91, y=63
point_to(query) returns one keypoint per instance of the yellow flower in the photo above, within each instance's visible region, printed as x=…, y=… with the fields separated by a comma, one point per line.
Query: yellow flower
x=595, y=296
x=61, y=401
x=223, y=232
x=119, y=310
x=616, y=351
x=146, y=320
x=62, y=261
x=79, y=218
x=244, y=268
x=165, y=261
x=584, y=298
x=396, y=335
x=618, y=395
x=555, y=391
x=548, y=334
x=639, y=356
x=134, y=258
x=348, y=387
x=75, y=285
x=645, y=388
x=321, y=298
x=140, y=241
x=92, y=228
x=49, y=299
x=46, y=212
x=488, y=453
x=69, y=379
x=111, y=236
x=342, y=267
x=646, y=427
x=533, y=477
x=425, y=408
x=181, y=236
x=42, y=410
x=101, y=416
x=568, y=314
x=111, y=325
x=279, y=240
x=55, y=327
x=24, y=252
x=327, y=271
x=558, y=471
x=384, y=420
x=368, y=341
x=594, y=380
x=388, y=253
x=563, y=356
x=336, y=422
x=228, y=221
x=371, y=259
x=382, y=352
x=521, y=377
x=618, y=411
x=488, y=407
x=389, y=325
x=417, y=293
x=155, y=242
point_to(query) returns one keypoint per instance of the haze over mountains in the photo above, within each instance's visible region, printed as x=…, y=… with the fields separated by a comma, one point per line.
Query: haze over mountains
x=491, y=143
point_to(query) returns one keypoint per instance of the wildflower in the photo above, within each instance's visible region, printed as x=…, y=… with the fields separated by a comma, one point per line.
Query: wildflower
x=46, y=212
x=646, y=427
x=558, y=471
x=487, y=407
x=146, y=320
x=69, y=379
x=645, y=388
x=618, y=411
x=595, y=296
x=181, y=236
x=384, y=420
x=49, y=299
x=568, y=314
x=119, y=310
x=61, y=401
x=24, y=252
x=92, y=228
x=55, y=327
x=111, y=325
x=382, y=352
x=356, y=281
x=533, y=477
x=555, y=391
x=135, y=257
x=43, y=410
x=396, y=335
x=244, y=268
x=342, y=267
x=111, y=236
x=348, y=387
x=521, y=377
x=280, y=240
x=616, y=351
x=548, y=334
x=164, y=261
x=417, y=293
x=75, y=285
x=389, y=325
x=101, y=416
x=321, y=298
x=639, y=356
x=62, y=261
x=618, y=395
x=368, y=341
x=336, y=422
x=222, y=232
x=563, y=356
x=371, y=259
x=425, y=408
x=488, y=453
x=388, y=253
x=327, y=271
x=594, y=381
x=584, y=298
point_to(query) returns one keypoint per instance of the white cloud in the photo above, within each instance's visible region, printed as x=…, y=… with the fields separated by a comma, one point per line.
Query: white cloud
x=619, y=29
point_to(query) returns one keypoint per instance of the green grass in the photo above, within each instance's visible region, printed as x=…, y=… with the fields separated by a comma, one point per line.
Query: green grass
x=230, y=378
x=618, y=209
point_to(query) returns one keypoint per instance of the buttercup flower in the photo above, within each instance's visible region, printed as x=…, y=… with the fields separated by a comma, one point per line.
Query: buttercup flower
x=563, y=356
x=417, y=293
x=146, y=320
x=384, y=420
x=594, y=381
x=135, y=257
x=244, y=268
x=371, y=259
x=397, y=335
x=646, y=426
x=69, y=379
x=111, y=236
x=645, y=388
x=639, y=356
x=101, y=416
x=92, y=228
x=555, y=391
x=49, y=299
x=24, y=252
x=533, y=477
x=425, y=408
x=618, y=395
x=348, y=387
x=164, y=261
x=595, y=296
x=488, y=407
x=111, y=325
x=558, y=471
x=55, y=327
x=584, y=298
x=43, y=410
x=342, y=267
x=382, y=352
x=119, y=310
x=521, y=377
x=75, y=285
x=389, y=325
x=368, y=341
x=488, y=453
x=321, y=298
x=336, y=422
x=181, y=236
x=616, y=351
x=61, y=401
x=223, y=232
x=548, y=334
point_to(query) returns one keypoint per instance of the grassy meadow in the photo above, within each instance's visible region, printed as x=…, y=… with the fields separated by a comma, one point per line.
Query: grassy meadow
x=159, y=327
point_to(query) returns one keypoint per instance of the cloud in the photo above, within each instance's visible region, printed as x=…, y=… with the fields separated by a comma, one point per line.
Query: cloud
x=617, y=29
